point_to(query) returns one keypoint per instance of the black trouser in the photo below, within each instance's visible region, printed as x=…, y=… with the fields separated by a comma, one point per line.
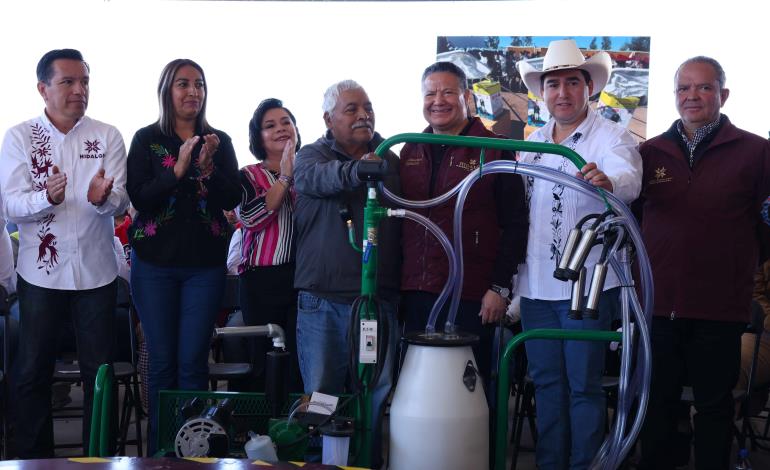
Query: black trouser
x=43, y=313
x=267, y=295
x=705, y=354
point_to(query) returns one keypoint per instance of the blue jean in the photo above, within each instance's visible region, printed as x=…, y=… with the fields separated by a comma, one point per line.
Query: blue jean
x=177, y=308
x=43, y=312
x=568, y=382
x=324, y=354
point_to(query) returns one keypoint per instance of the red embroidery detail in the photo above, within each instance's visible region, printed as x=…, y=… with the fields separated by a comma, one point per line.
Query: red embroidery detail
x=47, y=254
x=40, y=155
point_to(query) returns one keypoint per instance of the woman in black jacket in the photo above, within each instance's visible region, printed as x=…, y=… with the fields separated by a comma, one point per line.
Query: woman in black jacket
x=182, y=174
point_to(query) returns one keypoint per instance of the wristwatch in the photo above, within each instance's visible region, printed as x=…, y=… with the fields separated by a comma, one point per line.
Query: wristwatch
x=503, y=292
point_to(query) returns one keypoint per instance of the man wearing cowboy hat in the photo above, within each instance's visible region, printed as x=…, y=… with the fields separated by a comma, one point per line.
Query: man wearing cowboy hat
x=704, y=184
x=567, y=375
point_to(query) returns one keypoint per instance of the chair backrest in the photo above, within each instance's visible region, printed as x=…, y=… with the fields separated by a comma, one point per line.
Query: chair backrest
x=126, y=347
x=99, y=442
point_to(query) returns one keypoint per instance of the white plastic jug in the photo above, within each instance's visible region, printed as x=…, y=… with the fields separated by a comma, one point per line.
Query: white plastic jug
x=260, y=447
x=438, y=422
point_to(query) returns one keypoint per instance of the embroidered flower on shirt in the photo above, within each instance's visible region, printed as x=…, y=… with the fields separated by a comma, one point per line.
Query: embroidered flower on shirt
x=216, y=227
x=41, y=163
x=168, y=161
x=40, y=155
x=150, y=228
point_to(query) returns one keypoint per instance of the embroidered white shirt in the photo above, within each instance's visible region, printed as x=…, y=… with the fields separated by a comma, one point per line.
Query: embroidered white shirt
x=554, y=210
x=66, y=246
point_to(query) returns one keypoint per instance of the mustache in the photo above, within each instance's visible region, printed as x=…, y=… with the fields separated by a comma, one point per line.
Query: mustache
x=363, y=123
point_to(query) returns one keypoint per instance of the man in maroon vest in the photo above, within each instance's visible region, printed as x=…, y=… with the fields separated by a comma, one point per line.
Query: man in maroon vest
x=494, y=217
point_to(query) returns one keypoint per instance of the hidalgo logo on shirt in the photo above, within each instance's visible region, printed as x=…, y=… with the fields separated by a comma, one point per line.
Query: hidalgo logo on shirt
x=660, y=176
x=92, y=150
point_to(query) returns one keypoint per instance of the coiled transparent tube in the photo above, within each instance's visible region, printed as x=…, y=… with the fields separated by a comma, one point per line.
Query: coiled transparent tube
x=632, y=383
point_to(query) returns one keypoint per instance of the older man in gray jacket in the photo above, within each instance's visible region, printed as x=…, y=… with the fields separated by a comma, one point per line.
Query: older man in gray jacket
x=328, y=274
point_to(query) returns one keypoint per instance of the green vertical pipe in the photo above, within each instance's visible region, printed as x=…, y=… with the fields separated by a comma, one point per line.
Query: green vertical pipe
x=503, y=377
x=373, y=213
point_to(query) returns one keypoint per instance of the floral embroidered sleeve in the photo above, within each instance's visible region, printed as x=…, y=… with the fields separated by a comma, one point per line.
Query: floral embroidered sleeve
x=24, y=195
x=148, y=188
x=253, y=211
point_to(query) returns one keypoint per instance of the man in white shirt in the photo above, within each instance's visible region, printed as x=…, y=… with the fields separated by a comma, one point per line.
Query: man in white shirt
x=567, y=375
x=62, y=177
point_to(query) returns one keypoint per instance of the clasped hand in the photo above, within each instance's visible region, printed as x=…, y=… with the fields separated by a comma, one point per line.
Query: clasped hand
x=205, y=157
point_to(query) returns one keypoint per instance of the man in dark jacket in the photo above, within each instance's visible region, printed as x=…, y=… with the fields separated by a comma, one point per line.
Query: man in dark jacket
x=494, y=217
x=703, y=186
x=328, y=273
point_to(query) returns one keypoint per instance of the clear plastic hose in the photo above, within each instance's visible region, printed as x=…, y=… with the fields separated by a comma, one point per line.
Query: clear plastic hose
x=634, y=381
x=430, y=328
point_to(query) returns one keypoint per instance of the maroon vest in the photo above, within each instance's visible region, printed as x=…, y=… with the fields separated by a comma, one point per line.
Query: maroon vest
x=425, y=265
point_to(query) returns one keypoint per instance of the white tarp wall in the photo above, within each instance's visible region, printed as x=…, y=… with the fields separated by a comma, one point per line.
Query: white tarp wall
x=294, y=50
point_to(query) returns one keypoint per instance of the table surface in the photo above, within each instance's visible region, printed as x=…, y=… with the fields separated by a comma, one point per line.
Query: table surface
x=139, y=463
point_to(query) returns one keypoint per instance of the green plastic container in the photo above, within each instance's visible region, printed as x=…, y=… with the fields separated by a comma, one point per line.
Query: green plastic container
x=287, y=438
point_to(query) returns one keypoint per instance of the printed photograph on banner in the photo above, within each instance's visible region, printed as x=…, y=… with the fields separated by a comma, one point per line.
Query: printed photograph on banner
x=501, y=99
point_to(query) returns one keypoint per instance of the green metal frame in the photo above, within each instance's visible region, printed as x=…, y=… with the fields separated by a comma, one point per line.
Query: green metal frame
x=373, y=213
x=490, y=143
x=504, y=376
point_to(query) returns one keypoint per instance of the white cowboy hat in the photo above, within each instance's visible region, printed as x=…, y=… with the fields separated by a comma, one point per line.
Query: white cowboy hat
x=562, y=55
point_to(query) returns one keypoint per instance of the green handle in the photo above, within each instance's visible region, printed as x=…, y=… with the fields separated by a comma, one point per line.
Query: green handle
x=490, y=143
x=503, y=377
x=482, y=142
x=352, y=237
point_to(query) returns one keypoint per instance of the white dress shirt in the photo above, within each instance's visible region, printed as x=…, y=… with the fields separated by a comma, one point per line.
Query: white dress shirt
x=66, y=246
x=554, y=210
x=124, y=269
x=234, y=252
